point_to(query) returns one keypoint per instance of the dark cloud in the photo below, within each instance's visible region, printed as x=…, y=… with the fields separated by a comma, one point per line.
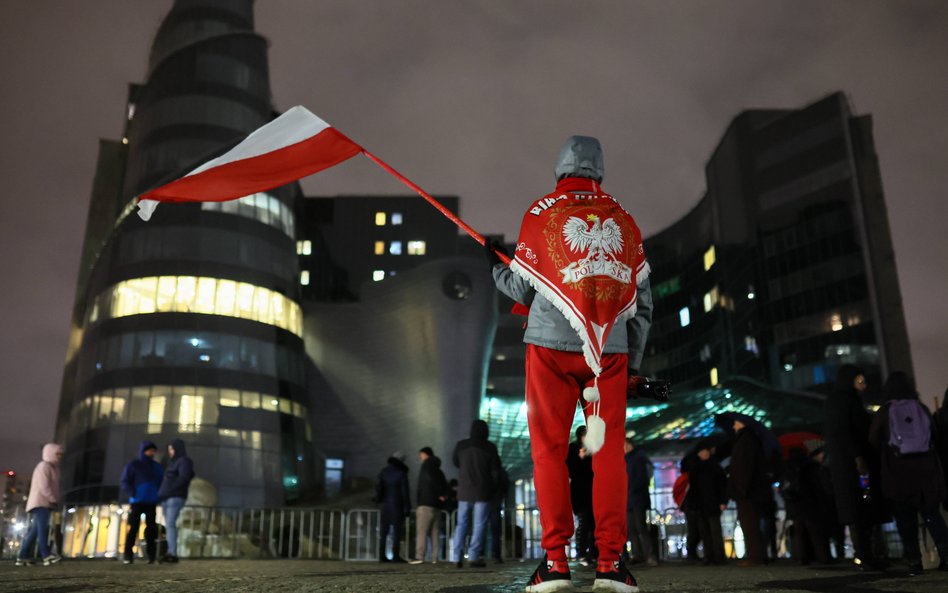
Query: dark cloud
x=474, y=99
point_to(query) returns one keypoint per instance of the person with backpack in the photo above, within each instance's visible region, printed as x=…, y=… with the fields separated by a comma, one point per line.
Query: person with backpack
x=912, y=478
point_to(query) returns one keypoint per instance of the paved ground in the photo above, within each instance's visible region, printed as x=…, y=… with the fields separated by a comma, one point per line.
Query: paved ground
x=233, y=576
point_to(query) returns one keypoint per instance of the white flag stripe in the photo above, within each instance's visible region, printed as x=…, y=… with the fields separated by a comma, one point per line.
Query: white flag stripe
x=296, y=125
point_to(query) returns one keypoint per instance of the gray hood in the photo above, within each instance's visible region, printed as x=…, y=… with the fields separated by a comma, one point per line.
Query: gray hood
x=581, y=156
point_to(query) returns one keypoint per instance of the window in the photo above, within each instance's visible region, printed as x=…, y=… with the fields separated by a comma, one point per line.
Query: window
x=709, y=258
x=395, y=248
x=416, y=248
x=714, y=376
x=304, y=277
x=190, y=413
x=192, y=294
x=304, y=247
x=378, y=275
x=710, y=299
x=156, y=411
x=264, y=208
x=684, y=316
x=396, y=218
x=379, y=247
x=333, y=476
x=379, y=219
x=230, y=398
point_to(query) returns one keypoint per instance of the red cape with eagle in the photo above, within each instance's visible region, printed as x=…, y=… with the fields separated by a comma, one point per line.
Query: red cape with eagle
x=583, y=252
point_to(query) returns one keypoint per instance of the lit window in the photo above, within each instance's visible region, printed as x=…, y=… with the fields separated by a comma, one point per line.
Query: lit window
x=379, y=247
x=379, y=219
x=230, y=398
x=378, y=275
x=714, y=376
x=307, y=247
x=684, y=316
x=710, y=299
x=396, y=218
x=750, y=292
x=836, y=322
x=250, y=400
x=304, y=277
x=131, y=110
x=189, y=413
x=156, y=413
x=192, y=294
x=395, y=248
x=416, y=248
x=709, y=258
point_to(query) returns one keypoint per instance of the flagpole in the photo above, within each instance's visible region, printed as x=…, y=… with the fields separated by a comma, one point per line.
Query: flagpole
x=451, y=215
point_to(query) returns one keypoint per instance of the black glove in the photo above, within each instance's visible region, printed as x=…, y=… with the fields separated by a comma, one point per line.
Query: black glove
x=656, y=389
x=492, y=248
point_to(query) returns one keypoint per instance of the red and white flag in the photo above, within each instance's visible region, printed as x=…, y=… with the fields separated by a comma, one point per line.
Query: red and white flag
x=292, y=146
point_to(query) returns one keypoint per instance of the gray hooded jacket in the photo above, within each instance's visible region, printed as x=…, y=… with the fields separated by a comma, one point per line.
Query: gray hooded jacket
x=581, y=156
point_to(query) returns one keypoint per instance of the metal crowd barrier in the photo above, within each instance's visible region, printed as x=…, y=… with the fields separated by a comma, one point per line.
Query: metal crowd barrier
x=98, y=531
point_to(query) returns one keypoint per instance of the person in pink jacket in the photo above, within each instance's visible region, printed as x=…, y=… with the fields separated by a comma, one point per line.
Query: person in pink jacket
x=43, y=498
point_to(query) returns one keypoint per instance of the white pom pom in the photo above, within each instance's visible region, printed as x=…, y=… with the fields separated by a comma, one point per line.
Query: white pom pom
x=591, y=394
x=595, y=434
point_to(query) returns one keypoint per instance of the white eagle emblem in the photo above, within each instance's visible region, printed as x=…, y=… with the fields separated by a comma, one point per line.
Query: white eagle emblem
x=604, y=242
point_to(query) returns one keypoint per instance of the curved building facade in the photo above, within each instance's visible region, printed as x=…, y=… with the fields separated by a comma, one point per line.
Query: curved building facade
x=190, y=325
x=785, y=269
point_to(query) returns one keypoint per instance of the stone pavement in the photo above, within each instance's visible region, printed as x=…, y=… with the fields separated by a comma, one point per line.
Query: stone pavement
x=232, y=576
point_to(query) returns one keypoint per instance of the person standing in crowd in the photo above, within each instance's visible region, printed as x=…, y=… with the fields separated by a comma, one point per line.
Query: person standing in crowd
x=140, y=481
x=806, y=505
x=912, y=479
x=42, y=499
x=432, y=494
x=941, y=435
x=639, y=471
x=391, y=493
x=706, y=500
x=173, y=493
x=847, y=450
x=496, y=519
x=478, y=475
x=748, y=486
x=558, y=374
x=580, y=469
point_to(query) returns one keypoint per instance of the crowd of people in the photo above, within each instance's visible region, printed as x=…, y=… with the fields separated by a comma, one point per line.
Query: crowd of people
x=145, y=483
x=864, y=471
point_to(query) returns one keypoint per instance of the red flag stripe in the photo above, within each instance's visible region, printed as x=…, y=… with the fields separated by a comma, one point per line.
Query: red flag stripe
x=243, y=177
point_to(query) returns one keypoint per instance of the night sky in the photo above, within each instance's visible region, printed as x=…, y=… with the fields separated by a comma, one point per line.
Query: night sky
x=473, y=99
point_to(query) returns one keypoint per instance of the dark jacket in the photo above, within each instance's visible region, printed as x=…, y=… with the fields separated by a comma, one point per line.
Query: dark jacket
x=580, y=470
x=847, y=437
x=391, y=488
x=431, y=484
x=748, y=470
x=707, y=485
x=915, y=479
x=479, y=465
x=142, y=477
x=804, y=492
x=178, y=473
x=639, y=471
x=941, y=435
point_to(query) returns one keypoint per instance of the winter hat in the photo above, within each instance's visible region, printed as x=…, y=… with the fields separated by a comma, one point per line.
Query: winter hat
x=581, y=156
x=427, y=451
x=399, y=456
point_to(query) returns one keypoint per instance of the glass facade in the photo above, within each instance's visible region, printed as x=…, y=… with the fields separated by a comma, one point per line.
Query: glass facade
x=190, y=294
x=189, y=325
x=775, y=275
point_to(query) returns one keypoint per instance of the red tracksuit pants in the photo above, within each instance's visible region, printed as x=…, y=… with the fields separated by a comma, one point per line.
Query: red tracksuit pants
x=555, y=381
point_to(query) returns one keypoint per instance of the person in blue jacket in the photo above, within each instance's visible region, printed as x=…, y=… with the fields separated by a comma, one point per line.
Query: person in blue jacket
x=140, y=481
x=174, y=492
